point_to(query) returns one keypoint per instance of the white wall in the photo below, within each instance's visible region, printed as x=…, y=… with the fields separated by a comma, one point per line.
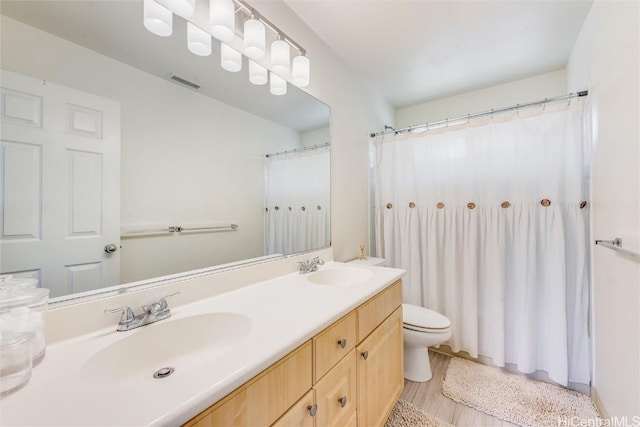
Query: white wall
x=316, y=137
x=504, y=95
x=605, y=61
x=356, y=110
x=203, y=167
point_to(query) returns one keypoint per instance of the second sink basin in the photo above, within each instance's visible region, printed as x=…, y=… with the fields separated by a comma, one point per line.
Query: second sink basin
x=179, y=344
x=340, y=276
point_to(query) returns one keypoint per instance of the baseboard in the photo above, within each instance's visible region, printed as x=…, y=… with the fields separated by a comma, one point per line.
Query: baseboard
x=598, y=402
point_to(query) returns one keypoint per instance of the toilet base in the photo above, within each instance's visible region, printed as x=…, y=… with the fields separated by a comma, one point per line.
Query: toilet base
x=417, y=366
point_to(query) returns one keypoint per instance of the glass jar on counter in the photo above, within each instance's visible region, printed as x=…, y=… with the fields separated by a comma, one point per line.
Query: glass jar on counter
x=23, y=311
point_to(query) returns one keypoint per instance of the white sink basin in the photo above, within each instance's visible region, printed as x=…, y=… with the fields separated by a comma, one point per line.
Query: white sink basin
x=340, y=276
x=181, y=344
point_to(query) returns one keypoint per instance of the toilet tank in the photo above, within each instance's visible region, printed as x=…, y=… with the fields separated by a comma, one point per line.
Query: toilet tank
x=379, y=262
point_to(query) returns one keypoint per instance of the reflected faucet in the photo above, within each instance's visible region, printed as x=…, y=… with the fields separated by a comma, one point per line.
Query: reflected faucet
x=150, y=314
x=310, y=265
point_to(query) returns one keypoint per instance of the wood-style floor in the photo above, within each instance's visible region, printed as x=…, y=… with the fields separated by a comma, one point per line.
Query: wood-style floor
x=428, y=397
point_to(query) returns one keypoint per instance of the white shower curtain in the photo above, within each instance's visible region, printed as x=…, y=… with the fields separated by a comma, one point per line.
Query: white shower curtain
x=297, y=200
x=463, y=210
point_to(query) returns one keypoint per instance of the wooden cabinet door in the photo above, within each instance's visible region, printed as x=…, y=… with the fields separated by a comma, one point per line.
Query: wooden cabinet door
x=336, y=393
x=380, y=371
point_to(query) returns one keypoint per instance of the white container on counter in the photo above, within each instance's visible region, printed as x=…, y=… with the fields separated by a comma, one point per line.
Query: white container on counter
x=15, y=360
x=23, y=311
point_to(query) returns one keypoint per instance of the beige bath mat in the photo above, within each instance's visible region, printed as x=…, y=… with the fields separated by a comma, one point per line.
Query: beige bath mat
x=405, y=414
x=514, y=398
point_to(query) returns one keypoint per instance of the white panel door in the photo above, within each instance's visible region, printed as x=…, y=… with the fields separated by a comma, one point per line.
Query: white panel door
x=59, y=185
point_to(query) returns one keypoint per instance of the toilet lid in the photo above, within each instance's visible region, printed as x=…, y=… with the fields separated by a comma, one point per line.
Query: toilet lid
x=422, y=318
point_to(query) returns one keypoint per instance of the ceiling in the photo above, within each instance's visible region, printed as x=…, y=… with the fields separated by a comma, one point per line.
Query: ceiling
x=418, y=51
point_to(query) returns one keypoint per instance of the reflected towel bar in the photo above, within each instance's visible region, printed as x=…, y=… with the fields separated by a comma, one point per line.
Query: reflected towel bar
x=616, y=245
x=177, y=229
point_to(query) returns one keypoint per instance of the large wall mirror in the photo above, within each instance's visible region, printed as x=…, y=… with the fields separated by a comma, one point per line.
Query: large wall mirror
x=115, y=170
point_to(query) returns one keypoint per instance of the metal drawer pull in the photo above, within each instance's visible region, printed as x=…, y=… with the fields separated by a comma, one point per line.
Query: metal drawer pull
x=342, y=343
x=343, y=401
x=313, y=409
x=365, y=355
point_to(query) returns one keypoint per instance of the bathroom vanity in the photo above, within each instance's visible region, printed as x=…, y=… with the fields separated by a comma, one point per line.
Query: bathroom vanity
x=316, y=349
x=349, y=374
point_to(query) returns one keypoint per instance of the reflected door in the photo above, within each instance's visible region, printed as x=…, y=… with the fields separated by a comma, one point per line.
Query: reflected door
x=59, y=185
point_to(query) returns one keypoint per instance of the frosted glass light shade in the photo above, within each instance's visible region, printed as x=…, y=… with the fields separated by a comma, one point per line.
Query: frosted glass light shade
x=277, y=85
x=258, y=75
x=184, y=8
x=254, y=38
x=230, y=59
x=222, y=19
x=280, y=57
x=157, y=18
x=198, y=40
x=300, y=71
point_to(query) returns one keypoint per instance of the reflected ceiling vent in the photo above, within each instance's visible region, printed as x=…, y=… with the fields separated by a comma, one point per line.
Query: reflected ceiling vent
x=184, y=82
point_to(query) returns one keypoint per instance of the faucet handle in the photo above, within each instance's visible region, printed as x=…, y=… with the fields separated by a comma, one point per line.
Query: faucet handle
x=318, y=261
x=127, y=314
x=163, y=300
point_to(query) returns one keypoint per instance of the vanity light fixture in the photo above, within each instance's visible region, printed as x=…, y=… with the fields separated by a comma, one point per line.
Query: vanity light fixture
x=198, y=40
x=258, y=75
x=277, y=85
x=184, y=8
x=230, y=59
x=222, y=19
x=280, y=57
x=254, y=38
x=157, y=18
x=300, y=70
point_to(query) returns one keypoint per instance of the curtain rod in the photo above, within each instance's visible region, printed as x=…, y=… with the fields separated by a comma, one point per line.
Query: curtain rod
x=297, y=150
x=389, y=129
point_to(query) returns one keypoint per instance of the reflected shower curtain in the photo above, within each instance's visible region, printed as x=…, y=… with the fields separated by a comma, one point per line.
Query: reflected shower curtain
x=490, y=221
x=297, y=200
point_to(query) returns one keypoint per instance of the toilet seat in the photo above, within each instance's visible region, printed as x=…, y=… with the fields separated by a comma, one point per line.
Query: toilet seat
x=422, y=319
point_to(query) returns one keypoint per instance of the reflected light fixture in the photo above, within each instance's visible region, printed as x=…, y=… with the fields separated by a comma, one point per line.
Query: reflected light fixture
x=198, y=40
x=222, y=19
x=157, y=18
x=258, y=75
x=184, y=8
x=280, y=56
x=254, y=38
x=300, y=70
x=277, y=85
x=230, y=59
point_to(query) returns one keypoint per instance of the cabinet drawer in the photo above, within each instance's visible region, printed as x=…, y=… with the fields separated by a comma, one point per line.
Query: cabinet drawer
x=328, y=346
x=336, y=393
x=298, y=415
x=263, y=399
x=373, y=312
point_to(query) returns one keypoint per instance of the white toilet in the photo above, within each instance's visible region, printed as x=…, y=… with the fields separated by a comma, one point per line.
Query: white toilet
x=422, y=328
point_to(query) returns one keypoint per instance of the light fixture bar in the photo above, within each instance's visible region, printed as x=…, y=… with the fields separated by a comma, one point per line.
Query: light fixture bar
x=250, y=10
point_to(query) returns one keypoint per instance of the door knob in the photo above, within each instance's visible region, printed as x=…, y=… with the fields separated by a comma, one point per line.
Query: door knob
x=365, y=355
x=313, y=409
x=110, y=248
x=342, y=343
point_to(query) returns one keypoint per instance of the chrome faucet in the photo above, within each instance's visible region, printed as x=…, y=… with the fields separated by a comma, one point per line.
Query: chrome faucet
x=150, y=314
x=310, y=265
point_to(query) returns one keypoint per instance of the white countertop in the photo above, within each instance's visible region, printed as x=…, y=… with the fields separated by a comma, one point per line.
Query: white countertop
x=284, y=313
